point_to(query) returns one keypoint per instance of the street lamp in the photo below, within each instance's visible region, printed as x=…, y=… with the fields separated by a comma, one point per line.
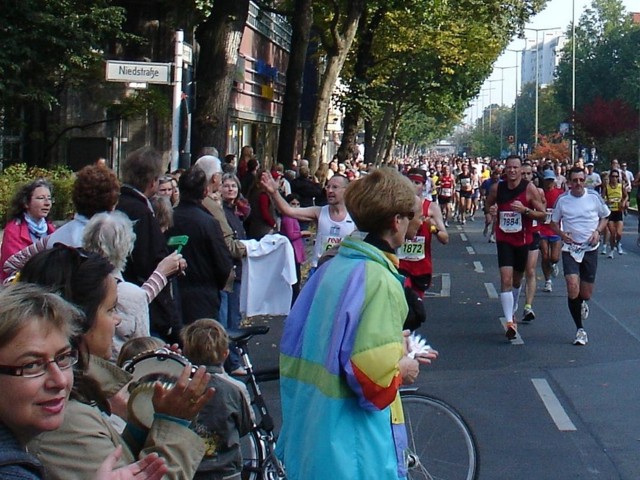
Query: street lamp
x=502, y=69
x=535, y=140
x=515, y=133
x=573, y=80
x=490, y=105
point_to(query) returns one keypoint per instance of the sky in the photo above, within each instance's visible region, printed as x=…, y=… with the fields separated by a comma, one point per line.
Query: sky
x=557, y=13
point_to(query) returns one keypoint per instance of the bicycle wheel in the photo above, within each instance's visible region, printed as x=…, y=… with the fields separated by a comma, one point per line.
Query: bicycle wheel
x=441, y=444
x=252, y=455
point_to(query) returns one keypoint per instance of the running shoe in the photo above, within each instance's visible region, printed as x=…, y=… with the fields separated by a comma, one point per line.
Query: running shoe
x=492, y=238
x=548, y=286
x=446, y=224
x=604, y=250
x=620, y=251
x=581, y=337
x=528, y=314
x=554, y=270
x=611, y=253
x=511, y=331
x=584, y=311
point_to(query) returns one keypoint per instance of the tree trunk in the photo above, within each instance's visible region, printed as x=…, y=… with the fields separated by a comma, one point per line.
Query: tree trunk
x=369, y=157
x=364, y=60
x=219, y=40
x=335, y=60
x=350, y=133
x=301, y=22
x=382, y=133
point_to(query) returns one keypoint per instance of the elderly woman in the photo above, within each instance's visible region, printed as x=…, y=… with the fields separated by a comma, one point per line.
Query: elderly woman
x=28, y=222
x=111, y=235
x=86, y=279
x=347, y=368
x=36, y=357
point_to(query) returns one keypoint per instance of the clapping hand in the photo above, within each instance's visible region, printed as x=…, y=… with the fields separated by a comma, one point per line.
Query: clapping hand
x=150, y=467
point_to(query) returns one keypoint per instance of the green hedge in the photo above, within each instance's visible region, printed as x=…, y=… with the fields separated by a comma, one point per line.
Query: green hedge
x=13, y=177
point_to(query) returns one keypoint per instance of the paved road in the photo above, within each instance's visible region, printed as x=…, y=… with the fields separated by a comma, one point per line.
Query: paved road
x=540, y=407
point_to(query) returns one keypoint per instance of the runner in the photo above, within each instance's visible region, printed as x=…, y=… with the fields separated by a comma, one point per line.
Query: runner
x=333, y=220
x=415, y=255
x=549, y=241
x=616, y=198
x=517, y=203
x=445, y=193
x=464, y=183
x=534, y=250
x=489, y=219
x=583, y=215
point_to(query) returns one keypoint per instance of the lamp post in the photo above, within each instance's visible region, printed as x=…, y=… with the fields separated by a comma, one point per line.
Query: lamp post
x=515, y=133
x=535, y=140
x=490, y=104
x=573, y=80
x=502, y=69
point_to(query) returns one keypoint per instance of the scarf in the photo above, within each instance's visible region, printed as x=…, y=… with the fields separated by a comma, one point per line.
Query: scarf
x=37, y=229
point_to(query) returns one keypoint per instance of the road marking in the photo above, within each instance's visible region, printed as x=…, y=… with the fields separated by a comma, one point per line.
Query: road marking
x=553, y=406
x=463, y=237
x=478, y=267
x=491, y=290
x=445, y=287
x=471, y=251
x=516, y=341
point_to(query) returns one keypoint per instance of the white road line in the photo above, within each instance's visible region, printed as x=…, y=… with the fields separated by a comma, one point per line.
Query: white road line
x=471, y=251
x=463, y=237
x=516, y=341
x=445, y=288
x=446, y=285
x=553, y=406
x=478, y=267
x=491, y=290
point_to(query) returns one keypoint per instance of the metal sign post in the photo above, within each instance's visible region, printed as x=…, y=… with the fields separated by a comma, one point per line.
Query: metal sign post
x=177, y=98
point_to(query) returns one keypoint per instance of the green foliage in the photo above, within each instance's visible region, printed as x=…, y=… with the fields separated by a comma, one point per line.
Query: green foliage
x=48, y=45
x=61, y=178
x=607, y=72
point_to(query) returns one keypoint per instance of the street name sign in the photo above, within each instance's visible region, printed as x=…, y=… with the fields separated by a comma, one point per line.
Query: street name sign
x=139, y=72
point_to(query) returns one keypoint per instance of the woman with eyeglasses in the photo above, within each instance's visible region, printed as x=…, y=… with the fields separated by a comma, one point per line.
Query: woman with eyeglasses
x=86, y=279
x=36, y=357
x=28, y=222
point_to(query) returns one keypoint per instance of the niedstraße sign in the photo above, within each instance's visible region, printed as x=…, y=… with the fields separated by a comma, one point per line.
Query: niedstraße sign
x=146, y=72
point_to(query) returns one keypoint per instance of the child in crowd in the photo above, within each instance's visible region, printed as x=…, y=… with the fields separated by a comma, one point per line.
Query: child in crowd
x=228, y=415
x=290, y=228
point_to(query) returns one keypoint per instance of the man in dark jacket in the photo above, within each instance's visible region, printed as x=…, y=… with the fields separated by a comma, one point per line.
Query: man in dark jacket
x=210, y=262
x=140, y=173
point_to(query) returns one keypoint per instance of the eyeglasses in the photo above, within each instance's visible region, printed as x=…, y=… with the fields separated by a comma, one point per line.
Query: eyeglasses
x=578, y=180
x=615, y=176
x=38, y=368
x=41, y=198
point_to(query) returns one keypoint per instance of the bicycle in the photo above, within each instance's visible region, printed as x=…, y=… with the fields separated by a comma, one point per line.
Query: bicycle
x=258, y=446
x=440, y=443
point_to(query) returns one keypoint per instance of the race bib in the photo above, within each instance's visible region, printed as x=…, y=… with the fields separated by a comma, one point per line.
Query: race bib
x=576, y=250
x=510, y=222
x=547, y=218
x=445, y=192
x=412, y=250
x=329, y=241
x=614, y=203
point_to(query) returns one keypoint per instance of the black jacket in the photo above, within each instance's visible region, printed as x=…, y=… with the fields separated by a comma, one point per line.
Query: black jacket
x=150, y=247
x=208, y=258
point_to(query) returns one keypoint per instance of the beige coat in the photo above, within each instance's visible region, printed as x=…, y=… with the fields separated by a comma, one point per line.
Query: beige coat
x=81, y=444
x=235, y=246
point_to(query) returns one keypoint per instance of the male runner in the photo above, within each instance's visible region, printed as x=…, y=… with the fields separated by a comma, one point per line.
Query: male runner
x=549, y=241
